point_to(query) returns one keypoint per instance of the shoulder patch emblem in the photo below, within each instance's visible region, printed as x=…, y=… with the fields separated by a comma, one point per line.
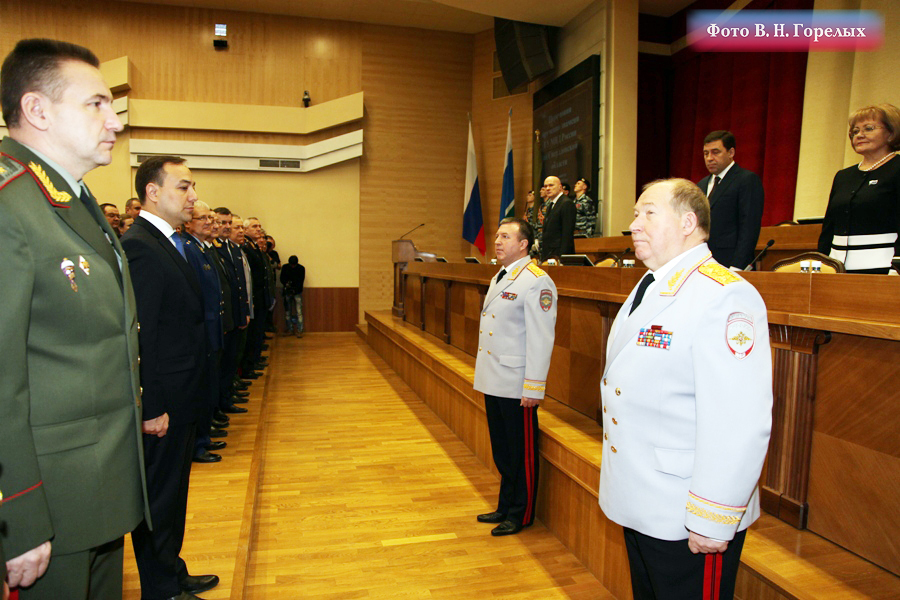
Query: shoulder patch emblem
x=740, y=334
x=56, y=197
x=535, y=270
x=719, y=274
x=546, y=300
x=9, y=170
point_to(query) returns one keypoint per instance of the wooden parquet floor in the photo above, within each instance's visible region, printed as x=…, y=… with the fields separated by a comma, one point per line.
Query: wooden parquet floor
x=363, y=494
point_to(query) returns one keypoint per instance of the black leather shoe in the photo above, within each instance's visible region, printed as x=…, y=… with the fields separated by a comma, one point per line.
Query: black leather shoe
x=217, y=424
x=241, y=385
x=207, y=457
x=185, y=596
x=219, y=415
x=261, y=365
x=214, y=446
x=239, y=400
x=194, y=584
x=216, y=433
x=235, y=410
x=494, y=517
x=251, y=375
x=506, y=528
x=241, y=394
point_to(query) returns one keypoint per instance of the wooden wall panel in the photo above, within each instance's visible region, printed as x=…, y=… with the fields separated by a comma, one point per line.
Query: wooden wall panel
x=330, y=309
x=855, y=444
x=271, y=59
x=435, y=309
x=466, y=300
x=578, y=355
x=412, y=301
x=418, y=90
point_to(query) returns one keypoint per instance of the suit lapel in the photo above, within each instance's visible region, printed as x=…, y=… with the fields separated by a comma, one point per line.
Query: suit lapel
x=496, y=288
x=663, y=296
x=723, y=185
x=169, y=248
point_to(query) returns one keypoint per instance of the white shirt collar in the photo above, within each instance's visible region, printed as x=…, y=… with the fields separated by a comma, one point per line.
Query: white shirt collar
x=724, y=172
x=158, y=222
x=512, y=266
x=663, y=272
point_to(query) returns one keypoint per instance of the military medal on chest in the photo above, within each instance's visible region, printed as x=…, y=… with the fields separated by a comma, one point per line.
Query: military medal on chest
x=68, y=269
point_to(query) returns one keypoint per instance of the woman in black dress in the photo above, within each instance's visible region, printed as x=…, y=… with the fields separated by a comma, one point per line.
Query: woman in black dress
x=862, y=221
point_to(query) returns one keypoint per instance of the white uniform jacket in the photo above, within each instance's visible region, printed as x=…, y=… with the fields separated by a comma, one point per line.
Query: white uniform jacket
x=516, y=333
x=687, y=405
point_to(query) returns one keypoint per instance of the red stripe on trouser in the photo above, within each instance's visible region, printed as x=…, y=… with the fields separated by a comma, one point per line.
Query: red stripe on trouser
x=712, y=576
x=719, y=559
x=529, y=464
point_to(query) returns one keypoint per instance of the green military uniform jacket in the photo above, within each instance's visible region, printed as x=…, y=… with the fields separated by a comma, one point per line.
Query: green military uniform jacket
x=71, y=461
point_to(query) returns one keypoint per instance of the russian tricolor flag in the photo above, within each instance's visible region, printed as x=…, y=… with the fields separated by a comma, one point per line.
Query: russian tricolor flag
x=507, y=194
x=473, y=224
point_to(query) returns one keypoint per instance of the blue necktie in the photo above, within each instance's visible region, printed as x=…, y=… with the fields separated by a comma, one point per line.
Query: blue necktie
x=179, y=244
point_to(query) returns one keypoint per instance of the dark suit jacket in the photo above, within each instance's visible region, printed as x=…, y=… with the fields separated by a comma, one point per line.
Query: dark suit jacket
x=558, y=234
x=226, y=276
x=234, y=260
x=71, y=465
x=736, y=208
x=172, y=331
x=201, y=261
x=260, y=275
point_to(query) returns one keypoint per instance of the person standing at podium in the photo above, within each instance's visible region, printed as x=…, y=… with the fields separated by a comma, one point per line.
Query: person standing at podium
x=687, y=405
x=515, y=342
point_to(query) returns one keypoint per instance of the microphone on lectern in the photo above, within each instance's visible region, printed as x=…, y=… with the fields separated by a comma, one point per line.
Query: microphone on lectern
x=411, y=230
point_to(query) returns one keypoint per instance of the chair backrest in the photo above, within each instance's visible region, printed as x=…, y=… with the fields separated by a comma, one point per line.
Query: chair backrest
x=793, y=264
x=607, y=260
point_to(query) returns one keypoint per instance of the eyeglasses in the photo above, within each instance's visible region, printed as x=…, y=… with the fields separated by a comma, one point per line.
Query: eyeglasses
x=206, y=218
x=867, y=129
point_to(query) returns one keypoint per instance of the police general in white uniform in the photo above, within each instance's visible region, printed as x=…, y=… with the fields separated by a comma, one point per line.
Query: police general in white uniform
x=515, y=343
x=687, y=401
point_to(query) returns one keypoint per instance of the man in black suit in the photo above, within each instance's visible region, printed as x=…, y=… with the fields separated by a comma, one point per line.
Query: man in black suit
x=196, y=235
x=735, y=200
x=558, y=235
x=173, y=352
x=262, y=299
x=232, y=260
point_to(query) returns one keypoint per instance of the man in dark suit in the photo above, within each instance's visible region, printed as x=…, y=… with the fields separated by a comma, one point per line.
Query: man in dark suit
x=173, y=353
x=232, y=262
x=70, y=410
x=736, y=200
x=262, y=300
x=200, y=257
x=558, y=235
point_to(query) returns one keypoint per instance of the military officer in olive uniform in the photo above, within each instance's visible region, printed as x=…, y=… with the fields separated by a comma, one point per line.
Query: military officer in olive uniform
x=70, y=412
x=515, y=343
x=687, y=401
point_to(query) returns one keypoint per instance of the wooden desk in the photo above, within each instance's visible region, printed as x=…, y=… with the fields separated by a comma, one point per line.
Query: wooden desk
x=834, y=459
x=789, y=241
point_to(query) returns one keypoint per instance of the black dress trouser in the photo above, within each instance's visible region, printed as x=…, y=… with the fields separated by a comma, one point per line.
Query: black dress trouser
x=514, y=445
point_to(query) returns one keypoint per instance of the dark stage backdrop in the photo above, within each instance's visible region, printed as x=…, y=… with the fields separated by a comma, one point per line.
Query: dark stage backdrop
x=758, y=96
